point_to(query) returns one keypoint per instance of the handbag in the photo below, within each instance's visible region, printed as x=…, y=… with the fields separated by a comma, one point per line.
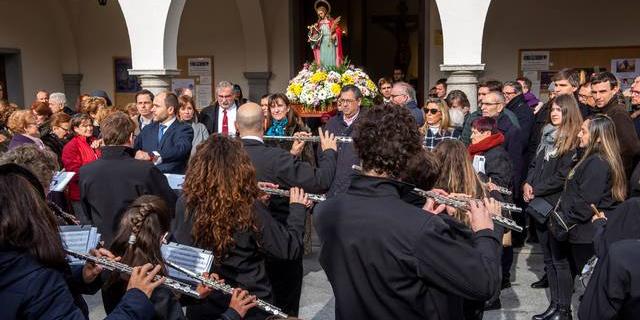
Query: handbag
x=558, y=225
x=539, y=209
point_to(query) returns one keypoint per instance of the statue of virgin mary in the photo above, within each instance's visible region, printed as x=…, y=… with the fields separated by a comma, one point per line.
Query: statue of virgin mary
x=325, y=37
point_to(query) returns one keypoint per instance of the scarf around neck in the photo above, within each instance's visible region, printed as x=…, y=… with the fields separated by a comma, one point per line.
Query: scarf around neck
x=548, y=141
x=277, y=127
x=488, y=143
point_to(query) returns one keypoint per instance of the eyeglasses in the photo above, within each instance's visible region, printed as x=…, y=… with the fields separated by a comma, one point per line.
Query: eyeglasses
x=63, y=128
x=397, y=95
x=432, y=111
x=635, y=93
x=225, y=97
x=345, y=101
x=509, y=93
x=490, y=103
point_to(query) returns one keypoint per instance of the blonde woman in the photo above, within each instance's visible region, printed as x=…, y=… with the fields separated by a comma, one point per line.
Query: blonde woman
x=437, y=125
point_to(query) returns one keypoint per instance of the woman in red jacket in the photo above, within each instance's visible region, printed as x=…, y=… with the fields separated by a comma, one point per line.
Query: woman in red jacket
x=80, y=150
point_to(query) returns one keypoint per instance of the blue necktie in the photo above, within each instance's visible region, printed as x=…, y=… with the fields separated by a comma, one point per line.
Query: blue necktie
x=161, y=132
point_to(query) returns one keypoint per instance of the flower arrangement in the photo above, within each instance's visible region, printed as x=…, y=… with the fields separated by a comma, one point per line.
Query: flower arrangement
x=317, y=88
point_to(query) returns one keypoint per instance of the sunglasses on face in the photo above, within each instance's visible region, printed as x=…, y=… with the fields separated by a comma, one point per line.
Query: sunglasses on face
x=432, y=111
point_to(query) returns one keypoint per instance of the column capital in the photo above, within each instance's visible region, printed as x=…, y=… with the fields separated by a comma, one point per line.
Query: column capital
x=258, y=84
x=462, y=67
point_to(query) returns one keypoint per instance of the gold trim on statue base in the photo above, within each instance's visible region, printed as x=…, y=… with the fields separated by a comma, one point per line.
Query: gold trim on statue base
x=313, y=112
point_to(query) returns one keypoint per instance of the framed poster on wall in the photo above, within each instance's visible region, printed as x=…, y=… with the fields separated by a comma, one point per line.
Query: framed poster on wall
x=125, y=83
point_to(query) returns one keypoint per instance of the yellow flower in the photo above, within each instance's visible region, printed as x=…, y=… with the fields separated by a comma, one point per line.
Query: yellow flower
x=319, y=76
x=372, y=86
x=347, y=79
x=335, y=89
x=296, y=89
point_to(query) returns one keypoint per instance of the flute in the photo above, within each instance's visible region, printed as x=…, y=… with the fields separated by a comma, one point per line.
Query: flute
x=121, y=267
x=501, y=190
x=227, y=289
x=341, y=139
x=463, y=203
x=285, y=193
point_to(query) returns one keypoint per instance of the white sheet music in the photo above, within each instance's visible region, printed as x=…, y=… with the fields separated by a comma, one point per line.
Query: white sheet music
x=79, y=238
x=60, y=180
x=175, y=180
x=194, y=259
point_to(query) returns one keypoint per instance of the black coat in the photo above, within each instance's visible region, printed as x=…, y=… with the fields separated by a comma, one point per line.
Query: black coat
x=625, y=131
x=387, y=259
x=540, y=120
x=55, y=144
x=278, y=166
x=109, y=185
x=523, y=112
x=588, y=183
x=244, y=264
x=547, y=177
x=614, y=289
x=498, y=167
x=622, y=223
x=29, y=290
x=347, y=155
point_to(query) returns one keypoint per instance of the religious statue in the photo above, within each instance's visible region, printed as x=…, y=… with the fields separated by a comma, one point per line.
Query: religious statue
x=325, y=37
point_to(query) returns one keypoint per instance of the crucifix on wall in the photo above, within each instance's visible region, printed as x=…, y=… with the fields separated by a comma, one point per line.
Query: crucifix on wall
x=401, y=25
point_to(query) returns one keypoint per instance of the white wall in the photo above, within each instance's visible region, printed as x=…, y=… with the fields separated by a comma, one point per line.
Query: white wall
x=539, y=24
x=25, y=26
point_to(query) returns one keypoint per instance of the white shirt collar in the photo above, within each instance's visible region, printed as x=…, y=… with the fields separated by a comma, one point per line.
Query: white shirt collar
x=167, y=123
x=256, y=138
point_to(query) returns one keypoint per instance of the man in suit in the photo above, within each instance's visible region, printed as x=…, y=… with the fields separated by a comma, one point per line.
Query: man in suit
x=167, y=141
x=276, y=165
x=220, y=117
x=109, y=184
x=144, y=104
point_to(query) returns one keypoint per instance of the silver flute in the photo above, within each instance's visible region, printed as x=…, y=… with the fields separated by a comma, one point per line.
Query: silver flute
x=341, y=139
x=217, y=285
x=170, y=283
x=501, y=190
x=463, y=203
x=285, y=193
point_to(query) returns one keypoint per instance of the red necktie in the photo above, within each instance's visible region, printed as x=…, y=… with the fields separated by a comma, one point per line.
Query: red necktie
x=225, y=123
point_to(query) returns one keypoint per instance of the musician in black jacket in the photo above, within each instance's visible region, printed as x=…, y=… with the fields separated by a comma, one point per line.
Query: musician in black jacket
x=613, y=292
x=387, y=259
x=278, y=166
x=109, y=184
x=220, y=211
x=548, y=171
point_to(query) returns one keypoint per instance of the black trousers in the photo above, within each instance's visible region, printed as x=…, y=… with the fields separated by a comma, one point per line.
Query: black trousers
x=286, y=281
x=580, y=254
x=557, y=267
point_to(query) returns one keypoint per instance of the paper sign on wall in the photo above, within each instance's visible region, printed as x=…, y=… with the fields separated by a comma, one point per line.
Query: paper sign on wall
x=199, y=66
x=534, y=60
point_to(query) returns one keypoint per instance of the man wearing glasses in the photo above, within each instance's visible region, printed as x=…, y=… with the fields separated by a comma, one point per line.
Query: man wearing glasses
x=220, y=117
x=404, y=95
x=342, y=124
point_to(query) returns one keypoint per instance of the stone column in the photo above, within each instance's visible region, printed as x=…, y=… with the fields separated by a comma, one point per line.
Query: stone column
x=258, y=84
x=72, y=87
x=464, y=78
x=155, y=81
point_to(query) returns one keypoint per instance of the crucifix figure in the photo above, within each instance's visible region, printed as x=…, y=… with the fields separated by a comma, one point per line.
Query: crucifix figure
x=401, y=25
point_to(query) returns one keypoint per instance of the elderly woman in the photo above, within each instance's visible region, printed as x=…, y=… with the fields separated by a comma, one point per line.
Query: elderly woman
x=25, y=129
x=188, y=113
x=43, y=112
x=59, y=134
x=91, y=106
x=437, y=127
x=81, y=149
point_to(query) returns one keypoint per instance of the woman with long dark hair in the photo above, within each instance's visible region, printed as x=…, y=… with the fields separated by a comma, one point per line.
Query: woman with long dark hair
x=598, y=179
x=36, y=280
x=221, y=211
x=548, y=171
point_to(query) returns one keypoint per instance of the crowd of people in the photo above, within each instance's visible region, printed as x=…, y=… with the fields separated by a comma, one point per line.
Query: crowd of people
x=389, y=252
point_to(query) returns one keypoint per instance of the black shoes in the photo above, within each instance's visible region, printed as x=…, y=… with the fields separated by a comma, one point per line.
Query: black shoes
x=542, y=283
x=561, y=313
x=550, y=310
